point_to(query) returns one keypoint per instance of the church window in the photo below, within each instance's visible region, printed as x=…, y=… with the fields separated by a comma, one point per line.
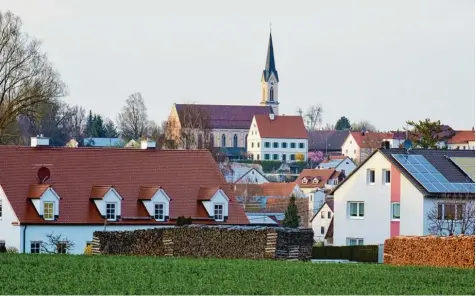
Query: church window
x=223, y=140
x=271, y=94
x=212, y=140
x=235, y=140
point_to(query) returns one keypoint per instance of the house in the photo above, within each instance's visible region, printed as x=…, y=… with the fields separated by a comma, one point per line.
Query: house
x=76, y=191
x=317, y=183
x=462, y=140
x=342, y=164
x=359, y=145
x=398, y=192
x=322, y=223
x=275, y=137
x=244, y=175
x=226, y=126
x=329, y=142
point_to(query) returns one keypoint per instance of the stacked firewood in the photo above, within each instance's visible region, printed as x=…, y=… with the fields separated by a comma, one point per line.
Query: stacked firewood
x=452, y=251
x=294, y=244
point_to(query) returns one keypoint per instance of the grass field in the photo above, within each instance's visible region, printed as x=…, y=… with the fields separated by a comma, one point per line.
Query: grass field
x=67, y=274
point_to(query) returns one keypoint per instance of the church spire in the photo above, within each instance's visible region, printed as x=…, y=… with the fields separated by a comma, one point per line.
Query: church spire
x=270, y=67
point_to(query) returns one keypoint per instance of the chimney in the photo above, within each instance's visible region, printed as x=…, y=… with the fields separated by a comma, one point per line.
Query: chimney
x=271, y=116
x=39, y=141
x=147, y=144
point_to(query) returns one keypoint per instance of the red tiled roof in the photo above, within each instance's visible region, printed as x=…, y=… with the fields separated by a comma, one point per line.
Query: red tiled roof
x=74, y=172
x=323, y=175
x=265, y=189
x=370, y=140
x=147, y=192
x=98, y=191
x=287, y=127
x=206, y=193
x=37, y=190
x=462, y=137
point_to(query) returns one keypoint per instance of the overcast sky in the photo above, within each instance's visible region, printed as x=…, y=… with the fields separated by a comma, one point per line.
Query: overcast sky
x=381, y=61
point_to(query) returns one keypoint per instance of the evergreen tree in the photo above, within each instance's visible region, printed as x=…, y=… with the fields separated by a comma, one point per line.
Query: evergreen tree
x=342, y=124
x=425, y=133
x=291, y=217
x=89, y=125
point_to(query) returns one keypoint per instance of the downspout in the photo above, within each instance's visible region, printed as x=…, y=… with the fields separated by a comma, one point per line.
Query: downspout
x=24, y=238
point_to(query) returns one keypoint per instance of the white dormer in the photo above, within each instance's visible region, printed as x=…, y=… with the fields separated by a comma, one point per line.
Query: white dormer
x=156, y=201
x=304, y=180
x=108, y=202
x=315, y=181
x=215, y=202
x=46, y=201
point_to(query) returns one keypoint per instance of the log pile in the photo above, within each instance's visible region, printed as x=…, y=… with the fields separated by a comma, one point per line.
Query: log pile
x=209, y=241
x=453, y=251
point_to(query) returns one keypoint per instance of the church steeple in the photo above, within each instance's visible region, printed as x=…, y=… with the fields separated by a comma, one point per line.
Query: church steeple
x=270, y=80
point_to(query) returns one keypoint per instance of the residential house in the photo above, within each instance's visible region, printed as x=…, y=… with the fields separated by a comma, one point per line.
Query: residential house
x=339, y=163
x=322, y=223
x=75, y=191
x=395, y=192
x=317, y=183
x=359, y=145
x=329, y=142
x=462, y=140
x=244, y=175
x=276, y=137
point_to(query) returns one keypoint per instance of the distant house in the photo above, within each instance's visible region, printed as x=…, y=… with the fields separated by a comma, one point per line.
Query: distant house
x=103, y=142
x=344, y=163
x=274, y=137
x=462, y=140
x=359, y=145
x=322, y=223
x=245, y=175
x=75, y=191
x=329, y=142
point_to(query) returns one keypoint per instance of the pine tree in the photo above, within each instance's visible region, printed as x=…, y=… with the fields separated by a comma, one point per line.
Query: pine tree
x=291, y=217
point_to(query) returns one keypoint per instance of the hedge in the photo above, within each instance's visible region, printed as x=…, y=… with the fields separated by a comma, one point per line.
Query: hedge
x=368, y=253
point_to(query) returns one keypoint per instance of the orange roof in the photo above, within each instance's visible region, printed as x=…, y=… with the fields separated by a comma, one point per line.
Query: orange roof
x=322, y=175
x=147, y=192
x=287, y=127
x=37, y=190
x=76, y=171
x=99, y=191
x=462, y=137
x=370, y=140
x=266, y=189
x=206, y=193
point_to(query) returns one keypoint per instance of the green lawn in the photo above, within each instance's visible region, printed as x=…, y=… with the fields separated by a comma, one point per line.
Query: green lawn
x=67, y=274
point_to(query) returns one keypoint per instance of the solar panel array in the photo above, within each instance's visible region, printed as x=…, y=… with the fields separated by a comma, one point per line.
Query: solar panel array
x=429, y=177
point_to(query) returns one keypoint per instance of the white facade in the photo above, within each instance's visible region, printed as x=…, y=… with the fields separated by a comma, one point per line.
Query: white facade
x=278, y=149
x=9, y=233
x=218, y=199
x=252, y=177
x=462, y=146
x=346, y=165
x=350, y=148
x=320, y=224
x=269, y=93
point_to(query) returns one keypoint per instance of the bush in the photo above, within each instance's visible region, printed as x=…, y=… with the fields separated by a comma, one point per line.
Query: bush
x=183, y=221
x=367, y=253
x=12, y=250
x=88, y=250
x=3, y=249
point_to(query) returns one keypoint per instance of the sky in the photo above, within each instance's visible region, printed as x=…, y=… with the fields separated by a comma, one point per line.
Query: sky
x=381, y=61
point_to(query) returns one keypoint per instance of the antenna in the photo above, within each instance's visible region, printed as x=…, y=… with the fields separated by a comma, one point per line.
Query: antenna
x=43, y=174
x=407, y=144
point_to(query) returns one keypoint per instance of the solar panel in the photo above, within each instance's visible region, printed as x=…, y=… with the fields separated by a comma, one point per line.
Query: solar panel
x=429, y=177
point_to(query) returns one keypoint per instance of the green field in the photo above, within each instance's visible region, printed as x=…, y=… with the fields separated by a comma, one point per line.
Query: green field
x=67, y=274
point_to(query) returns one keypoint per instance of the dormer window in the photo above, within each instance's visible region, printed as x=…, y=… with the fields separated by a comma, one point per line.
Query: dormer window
x=159, y=211
x=304, y=181
x=108, y=201
x=111, y=211
x=156, y=202
x=45, y=200
x=48, y=210
x=315, y=181
x=218, y=212
x=215, y=202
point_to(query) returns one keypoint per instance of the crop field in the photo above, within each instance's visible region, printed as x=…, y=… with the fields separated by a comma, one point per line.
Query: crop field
x=68, y=274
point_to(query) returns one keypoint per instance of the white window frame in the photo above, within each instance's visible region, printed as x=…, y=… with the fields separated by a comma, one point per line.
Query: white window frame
x=393, y=211
x=384, y=177
x=217, y=217
x=115, y=211
x=52, y=203
x=368, y=177
x=155, y=211
x=323, y=230
x=323, y=215
x=39, y=246
x=358, y=241
x=359, y=205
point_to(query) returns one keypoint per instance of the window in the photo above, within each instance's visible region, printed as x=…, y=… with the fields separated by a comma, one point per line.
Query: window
x=283, y=157
x=212, y=140
x=218, y=213
x=252, y=144
x=332, y=182
x=266, y=157
x=293, y=157
x=257, y=144
x=246, y=141
x=386, y=176
x=271, y=94
x=223, y=140
x=329, y=215
x=355, y=151
x=159, y=211
x=0, y=208
x=111, y=211
x=355, y=241
x=370, y=176
x=257, y=156
x=301, y=145
x=315, y=181
x=2, y=244
x=252, y=156
x=48, y=210
x=61, y=248
x=35, y=247
x=322, y=229
x=304, y=181
x=293, y=145
x=396, y=211
x=323, y=215
x=267, y=144
x=356, y=209
x=275, y=145
x=200, y=142
x=235, y=140
x=275, y=157
x=284, y=145
x=450, y=211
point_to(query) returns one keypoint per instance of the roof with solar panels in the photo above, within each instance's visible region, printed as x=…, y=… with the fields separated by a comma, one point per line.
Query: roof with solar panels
x=432, y=172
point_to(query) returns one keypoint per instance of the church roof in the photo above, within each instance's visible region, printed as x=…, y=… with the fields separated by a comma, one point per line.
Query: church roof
x=225, y=116
x=270, y=64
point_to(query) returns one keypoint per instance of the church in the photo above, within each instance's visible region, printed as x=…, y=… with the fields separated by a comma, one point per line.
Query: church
x=228, y=125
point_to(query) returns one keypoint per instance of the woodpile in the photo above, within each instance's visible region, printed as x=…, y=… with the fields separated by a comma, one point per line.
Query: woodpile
x=209, y=241
x=452, y=251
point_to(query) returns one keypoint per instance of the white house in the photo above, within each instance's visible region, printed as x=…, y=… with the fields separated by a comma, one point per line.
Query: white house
x=73, y=192
x=393, y=191
x=359, y=145
x=322, y=223
x=244, y=175
x=274, y=137
x=346, y=165
x=462, y=140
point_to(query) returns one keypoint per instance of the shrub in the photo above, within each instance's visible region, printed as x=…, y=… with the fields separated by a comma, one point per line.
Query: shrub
x=88, y=250
x=300, y=157
x=183, y=221
x=12, y=250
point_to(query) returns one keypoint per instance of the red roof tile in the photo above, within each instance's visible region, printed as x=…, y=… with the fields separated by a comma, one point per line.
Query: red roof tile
x=99, y=191
x=287, y=127
x=147, y=192
x=206, y=193
x=462, y=137
x=370, y=140
x=265, y=189
x=37, y=190
x=75, y=172
x=322, y=175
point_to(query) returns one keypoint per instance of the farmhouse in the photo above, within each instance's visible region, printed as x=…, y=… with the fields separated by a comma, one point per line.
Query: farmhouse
x=76, y=191
x=399, y=192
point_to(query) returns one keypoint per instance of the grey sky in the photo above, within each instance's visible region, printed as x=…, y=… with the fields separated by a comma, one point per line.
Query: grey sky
x=382, y=61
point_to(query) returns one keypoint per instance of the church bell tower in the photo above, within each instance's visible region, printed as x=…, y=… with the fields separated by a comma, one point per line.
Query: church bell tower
x=270, y=80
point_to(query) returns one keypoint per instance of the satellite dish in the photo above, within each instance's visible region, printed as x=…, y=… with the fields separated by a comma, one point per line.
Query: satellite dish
x=407, y=144
x=43, y=174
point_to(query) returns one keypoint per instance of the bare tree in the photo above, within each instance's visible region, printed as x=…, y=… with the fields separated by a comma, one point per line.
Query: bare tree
x=76, y=122
x=363, y=125
x=132, y=121
x=313, y=117
x=26, y=76
x=450, y=216
x=56, y=244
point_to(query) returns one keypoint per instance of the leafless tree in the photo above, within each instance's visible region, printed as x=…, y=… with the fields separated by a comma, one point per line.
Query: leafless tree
x=132, y=121
x=26, y=76
x=76, y=122
x=313, y=117
x=56, y=244
x=363, y=125
x=452, y=216
x=328, y=127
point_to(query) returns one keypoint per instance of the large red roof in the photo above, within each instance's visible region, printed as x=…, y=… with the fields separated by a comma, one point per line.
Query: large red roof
x=370, y=139
x=462, y=137
x=286, y=127
x=78, y=173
